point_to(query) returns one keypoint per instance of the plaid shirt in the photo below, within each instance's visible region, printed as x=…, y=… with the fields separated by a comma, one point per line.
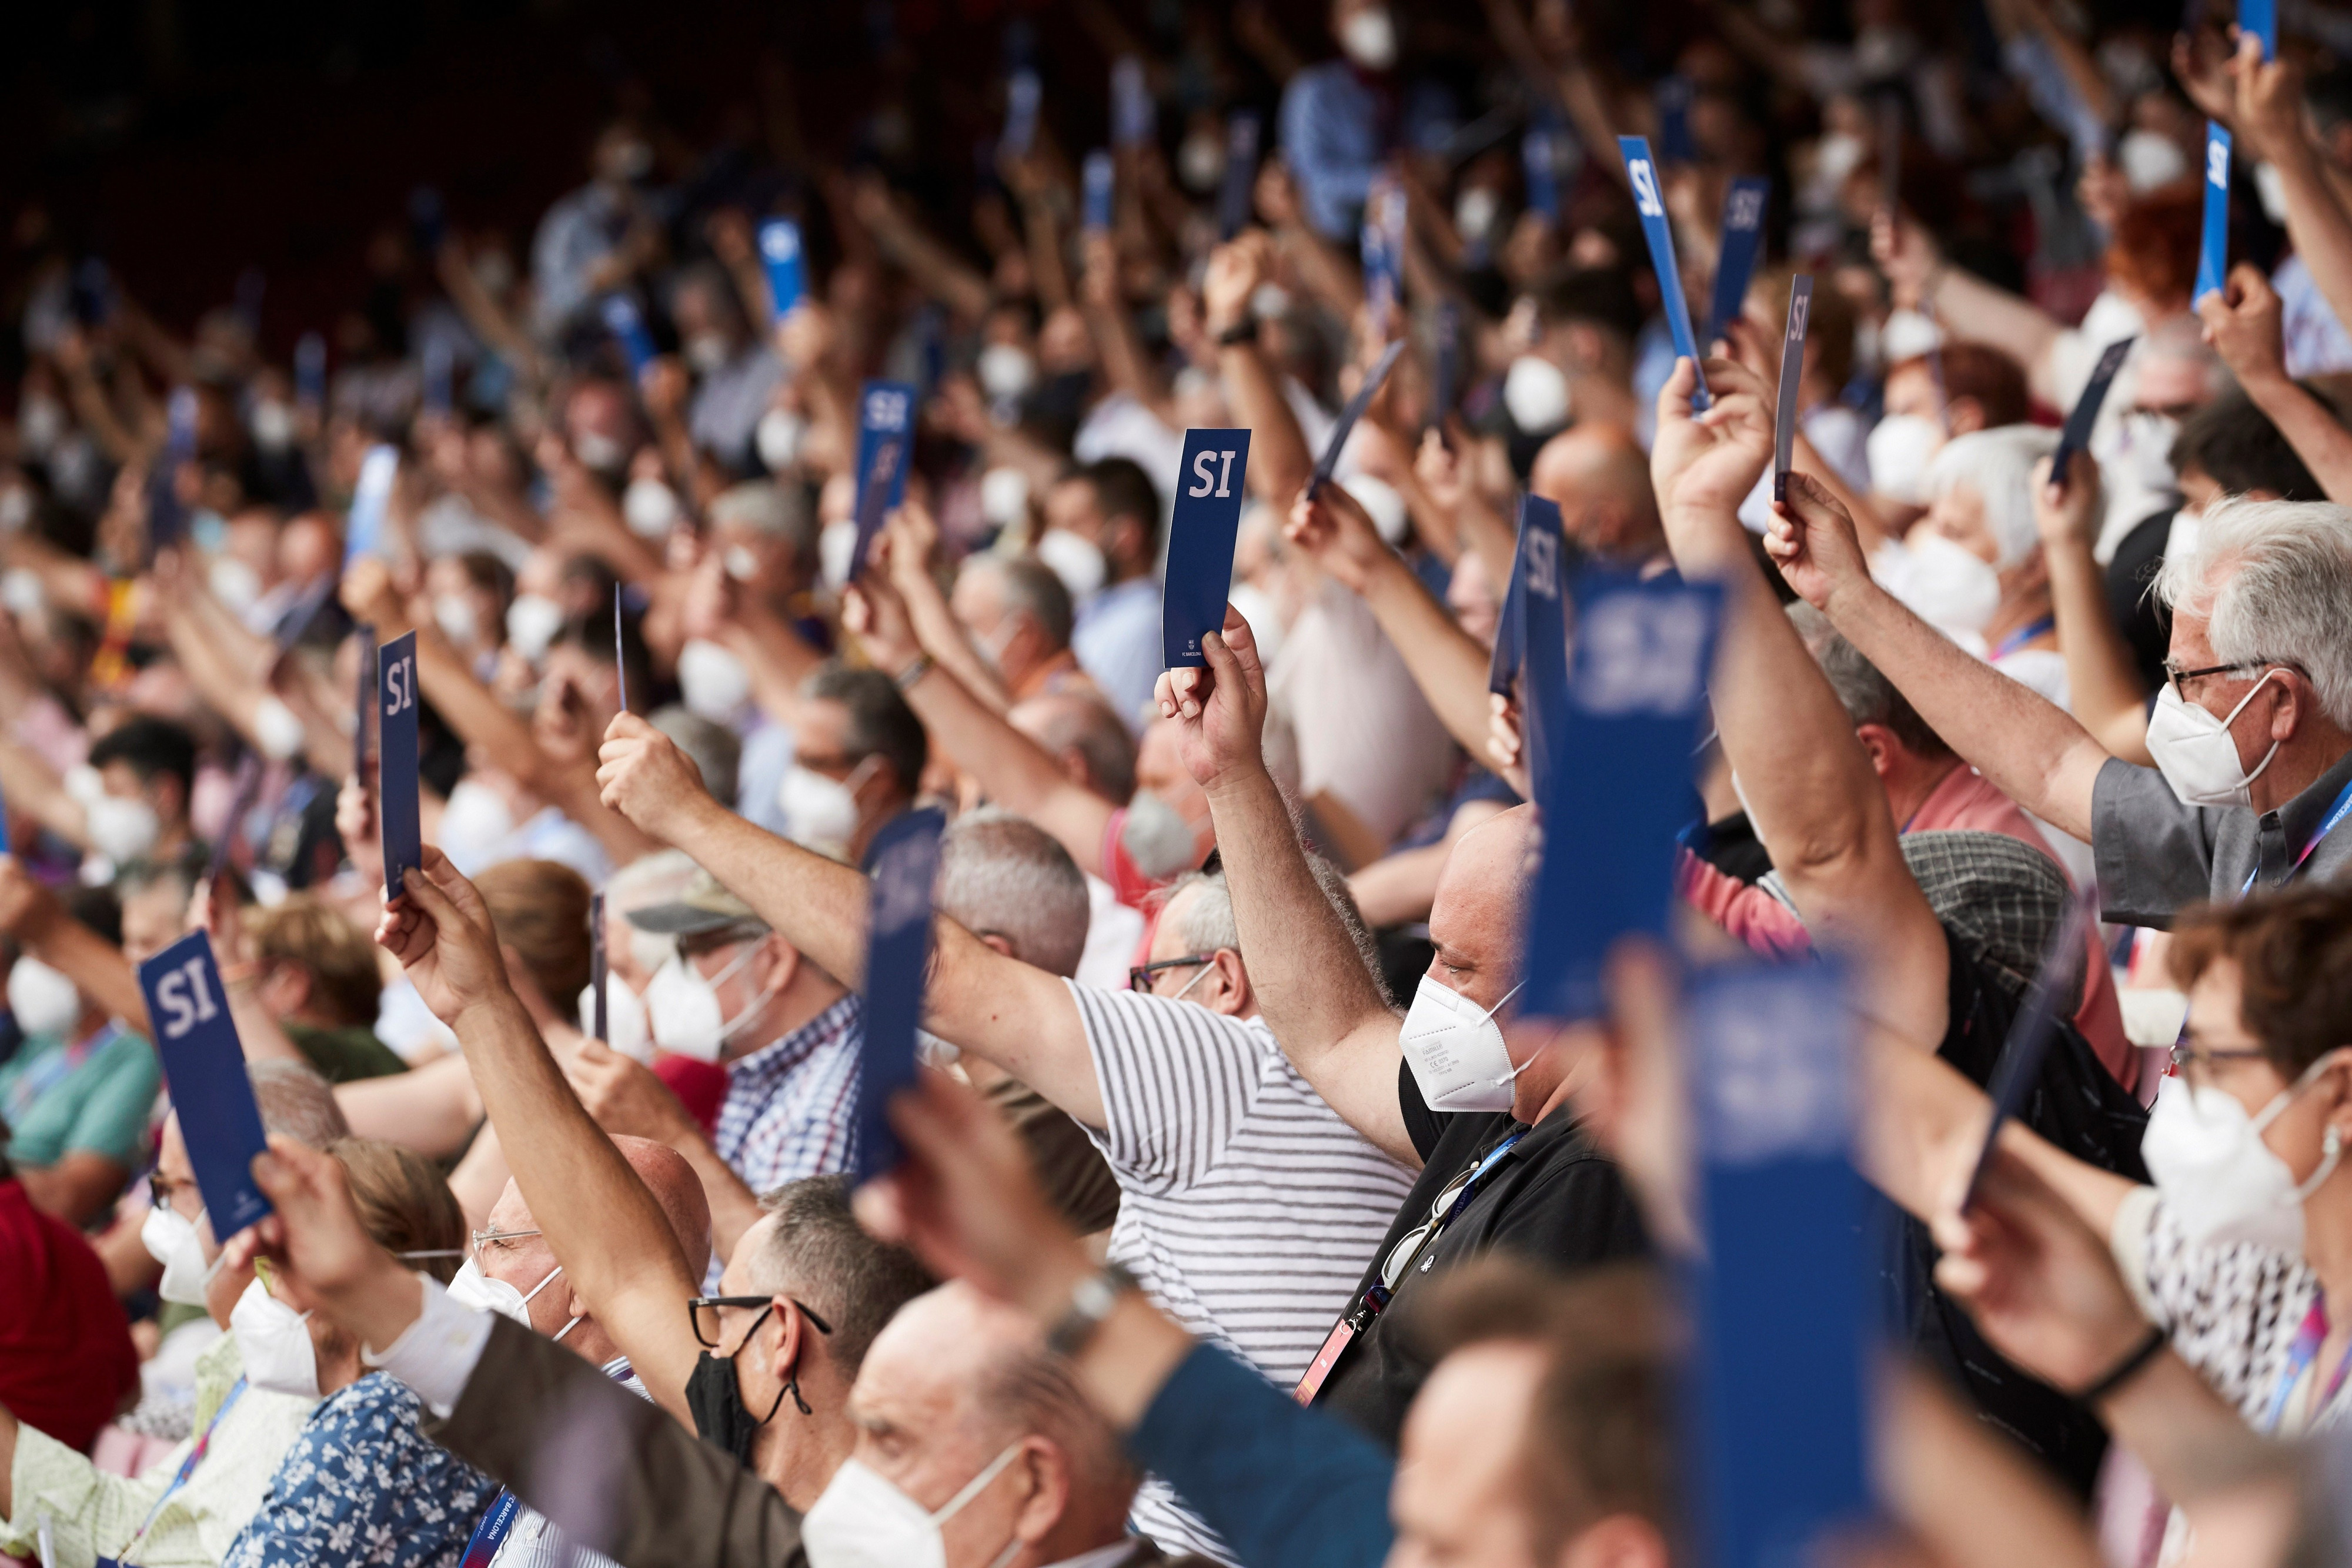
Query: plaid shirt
x=791, y=1109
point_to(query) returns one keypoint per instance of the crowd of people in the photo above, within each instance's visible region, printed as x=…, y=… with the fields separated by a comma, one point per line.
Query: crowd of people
x=1252, y=1211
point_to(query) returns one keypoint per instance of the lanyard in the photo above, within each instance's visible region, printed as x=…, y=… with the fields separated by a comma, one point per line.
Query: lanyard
x=498, y=1521
x=45, y=1074
x=1379, y=1294
x=187, y=1467
x=2020, y=637
x=2307, y=1340
x=2336, y=815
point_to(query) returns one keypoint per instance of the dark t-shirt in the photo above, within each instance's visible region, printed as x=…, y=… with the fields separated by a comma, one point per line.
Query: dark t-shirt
x=344, y=1055
x=2078, y=1106
x=1555, y=1199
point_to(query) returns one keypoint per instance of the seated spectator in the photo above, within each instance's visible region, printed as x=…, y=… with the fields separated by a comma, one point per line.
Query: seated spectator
x=1102, y=539
x=311, y=969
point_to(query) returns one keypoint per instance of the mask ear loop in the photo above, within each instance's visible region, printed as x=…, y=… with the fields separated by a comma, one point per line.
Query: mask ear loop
x=2331, y=1145
x=1488, y=1017
x=2268, y=756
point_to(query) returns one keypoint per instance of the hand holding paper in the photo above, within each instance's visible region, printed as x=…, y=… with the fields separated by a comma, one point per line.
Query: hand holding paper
x=1222, y=705
x=204, y=1064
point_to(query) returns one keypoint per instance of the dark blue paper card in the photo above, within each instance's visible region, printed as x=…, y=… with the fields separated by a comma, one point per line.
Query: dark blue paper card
x=396, y=803
x=1101, y=184
x=1543, y=639
x=600, y=1012
x=1365, y=391
x=620, y=650
x=904, y=862
x=1134, y=118
x=1620, y=788
x=363, y=726
x=5, y=845
x=1539, y=156
x=1382, y=245
x=1674, y=102
x=1022, y=95
x=1237, y=197
x=440, y=372
x=2057, y=982
x=780, y=253
x=628, y=328
x=1446, y=378
x=2076, y=436
x=1650, y=202
x=240, y=806
x=371, y=497
x=204, y=1065
x=1780, y=1399
x=886, y=434
x=1786, y=409
x=1734, y=262
x=1511, y=625
x=167, y=519
x=2260, y=17
x=2213, y=250
x=1209, y=495
x=311, y=370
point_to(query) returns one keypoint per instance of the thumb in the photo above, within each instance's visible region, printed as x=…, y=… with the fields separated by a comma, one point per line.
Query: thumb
x=628, y=727
x=434, y=902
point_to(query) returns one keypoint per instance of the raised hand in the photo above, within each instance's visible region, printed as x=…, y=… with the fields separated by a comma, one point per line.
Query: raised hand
x=323, y=1259
x=1236, y=269
x=1221, y=708
x=2068, y=513
x=2244, y=322
x=1333, y=529
x=622, y=1094
x=1704, y=466
x=441, y=932
x=1907, y=253
x=1811, y=540
x=2268, y=98
x=643, y=775
x=1503, y=745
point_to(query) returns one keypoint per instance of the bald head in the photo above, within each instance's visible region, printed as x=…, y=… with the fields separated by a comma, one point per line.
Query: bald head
x=1600, y=476
x=1477, y=914
x=680, y=1192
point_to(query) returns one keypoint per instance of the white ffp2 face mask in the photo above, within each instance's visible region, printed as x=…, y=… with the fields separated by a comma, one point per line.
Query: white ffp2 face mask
x=2197, y=753
x=714, y=682
x=820, y=813
x=649, y=507
x=1078, y=563
x=1535, y=395
x=625, y=1018
x=1948, y=585
x=473, y=1288
x=44, y=1001
x=274, y=1342
x=2219, y=1180
x=171, y=1239
x=1456, y=1051
x=1898, y=449
x=864, y=1520
x=682, y=1011
x=1370, y=39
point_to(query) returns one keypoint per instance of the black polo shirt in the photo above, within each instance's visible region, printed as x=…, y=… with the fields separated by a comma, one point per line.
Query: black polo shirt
x=1555, y=1199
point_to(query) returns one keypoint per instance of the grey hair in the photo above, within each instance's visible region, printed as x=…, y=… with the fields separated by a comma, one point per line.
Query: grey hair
x=1999, y=464
x=1069, y=721
x=1030, y=587
x=2274, y=580
x=2183, y=338
x=715, y=749
x=296, y=1104
x=1028, y=1390
x=1862, y=688
x=819, y=1251
x=1004, y=875
x=1209, y=923
x=779, y=511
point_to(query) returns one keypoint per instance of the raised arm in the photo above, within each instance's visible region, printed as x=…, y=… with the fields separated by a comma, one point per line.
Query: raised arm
x=1447, y=663
x=2031, y=751
x=1815, y=799
x=1279, y=460
x=1021, y=1019
x=31, y=789
x=615, y=1245
x=1967, y=305
x=2101, y=677
x=2268, y=99
x=1314, y=991
x=2244, y=321
x=31, y=915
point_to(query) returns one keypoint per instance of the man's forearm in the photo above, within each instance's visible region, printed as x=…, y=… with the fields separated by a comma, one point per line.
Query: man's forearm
x=1280, y=461
x=733, y=1208
x=1012, y=770
x=1979, y=311
x=94, y=964
x=2319, y=224
x=818, y=906
x=2100, y=679
x=2325, y=445
x=2034, y=753
x=1446, y=663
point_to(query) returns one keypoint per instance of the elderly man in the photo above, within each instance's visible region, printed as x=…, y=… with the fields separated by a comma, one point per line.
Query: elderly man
x=1019, y=615
x=2252, y=736
x=974, y=1447
x=1208, y=1128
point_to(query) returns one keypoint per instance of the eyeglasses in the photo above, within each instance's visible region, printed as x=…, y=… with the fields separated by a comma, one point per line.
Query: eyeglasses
x=2180, y=678
x=160, y=1188
x=2188, y=1053
x=1409, y=1244
x=494, y=1238
x=703, y=1312
x=1138, y=979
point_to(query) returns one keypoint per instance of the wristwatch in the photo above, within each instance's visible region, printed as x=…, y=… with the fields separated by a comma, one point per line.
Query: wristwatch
x=1244, y=331
x=915, y=670
x=1091, y=1299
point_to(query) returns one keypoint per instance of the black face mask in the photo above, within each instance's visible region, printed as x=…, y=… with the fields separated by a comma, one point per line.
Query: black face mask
x=714, y=1395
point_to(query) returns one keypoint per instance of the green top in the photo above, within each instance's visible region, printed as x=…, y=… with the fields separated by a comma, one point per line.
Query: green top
x=344, y=1055
x=101, y=1104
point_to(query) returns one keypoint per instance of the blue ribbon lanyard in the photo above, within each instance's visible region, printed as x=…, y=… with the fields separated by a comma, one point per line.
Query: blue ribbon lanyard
x=2020, y=637
x=2336, y=815
x=187, y=1467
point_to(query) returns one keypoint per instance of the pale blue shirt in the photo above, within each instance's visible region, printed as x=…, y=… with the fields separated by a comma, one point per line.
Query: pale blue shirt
x=1116, y=640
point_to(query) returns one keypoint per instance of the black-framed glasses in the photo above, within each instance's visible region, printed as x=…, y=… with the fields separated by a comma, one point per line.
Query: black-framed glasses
x=160, y=1188
x=2188, y=1053
x=1138, y=977
x=703, y=1312
x=2180, y=678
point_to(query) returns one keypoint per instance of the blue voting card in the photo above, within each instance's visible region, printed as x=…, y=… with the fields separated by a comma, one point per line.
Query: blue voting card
x=1208, y=497
x=1511, y=625
x=600, y=1012
x=311, y=370
x=2213, y=250
x=371, y=497
x=1674, y=103
x=440, y=374
x=2077, y=434
x=1618, y=748
x=1382, y=248
x=628, y=330
x=4, y=844
x=1786, y=409
x=620, y=650
x=1365, y=391
x=886, y=437
x=363, y=718
x=2260, y=17
x=1446, y=378
x=905, y=863
x=240, y=806
x=1022, y=95
x=1734, y=262
x=1543, y=638
x=2057, y=982
x=1539, y=159
x=167, y=519
x=1649, y=201
x=204, y=1065
x=1134, y=117
x=1101, y=184
x=780, y=253
x=1237, y=198
x=396, y=749
x=1780, y=1398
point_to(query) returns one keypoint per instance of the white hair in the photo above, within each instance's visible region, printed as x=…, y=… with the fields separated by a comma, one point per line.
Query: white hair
x=1004, y=876
x=2272, y=580
x=1999, y=465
